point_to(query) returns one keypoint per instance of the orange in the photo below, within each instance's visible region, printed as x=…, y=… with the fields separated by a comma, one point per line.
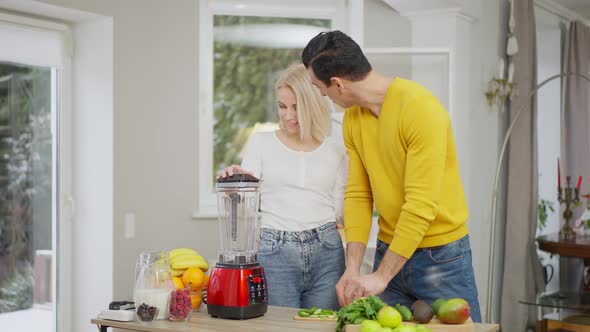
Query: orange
x=206, y=281
x=196, y=300
x=177, y=283
x=193, y=277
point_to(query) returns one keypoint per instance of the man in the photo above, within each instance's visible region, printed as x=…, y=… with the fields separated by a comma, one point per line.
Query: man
x=402, y=160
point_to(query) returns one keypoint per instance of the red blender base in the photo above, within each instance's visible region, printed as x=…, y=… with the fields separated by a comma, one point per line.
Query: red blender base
x=237, y=291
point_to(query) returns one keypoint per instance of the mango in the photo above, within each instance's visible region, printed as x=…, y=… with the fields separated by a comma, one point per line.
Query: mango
x=454, y=311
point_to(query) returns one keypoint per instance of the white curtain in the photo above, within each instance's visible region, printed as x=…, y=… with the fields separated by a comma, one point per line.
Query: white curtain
x=522, y=275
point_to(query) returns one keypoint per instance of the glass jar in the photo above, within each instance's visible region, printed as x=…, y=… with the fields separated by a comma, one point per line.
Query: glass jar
x=153, y=284
x=180, y=305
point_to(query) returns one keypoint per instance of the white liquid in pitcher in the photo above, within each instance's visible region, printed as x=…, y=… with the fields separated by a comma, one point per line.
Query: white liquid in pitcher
x=155, y=297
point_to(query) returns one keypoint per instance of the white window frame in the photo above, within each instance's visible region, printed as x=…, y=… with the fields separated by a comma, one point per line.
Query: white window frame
x=62, y=200
x=340, y=15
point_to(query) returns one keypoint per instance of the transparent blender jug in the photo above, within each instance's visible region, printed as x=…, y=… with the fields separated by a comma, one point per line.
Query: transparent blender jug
x=239, y=227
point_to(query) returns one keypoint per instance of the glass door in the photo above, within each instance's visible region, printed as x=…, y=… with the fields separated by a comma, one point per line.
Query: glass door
x=28, y=100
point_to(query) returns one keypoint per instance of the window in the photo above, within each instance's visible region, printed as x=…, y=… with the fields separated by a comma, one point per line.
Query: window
x=244, y=47
x=32, y=66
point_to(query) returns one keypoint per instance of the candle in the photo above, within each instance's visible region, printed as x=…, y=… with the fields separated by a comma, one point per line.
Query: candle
x=510, y=72
x=579, y=183
x=558, y=174
x=501, y=69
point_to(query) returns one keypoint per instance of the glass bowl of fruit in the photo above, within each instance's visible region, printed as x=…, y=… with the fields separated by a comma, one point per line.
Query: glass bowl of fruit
x=198, y=298
x=146, y=312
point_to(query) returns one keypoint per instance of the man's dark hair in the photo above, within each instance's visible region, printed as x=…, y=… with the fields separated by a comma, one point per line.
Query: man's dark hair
x=333, y=54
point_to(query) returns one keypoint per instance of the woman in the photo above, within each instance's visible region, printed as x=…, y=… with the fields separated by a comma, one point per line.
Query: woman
x=303, y=173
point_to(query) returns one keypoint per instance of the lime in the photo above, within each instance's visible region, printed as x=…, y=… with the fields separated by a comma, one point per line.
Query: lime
x=405, y=328
x=422, y=328
x=389, y=317
x=436, y=305
x=385, y=329
x=369, y=325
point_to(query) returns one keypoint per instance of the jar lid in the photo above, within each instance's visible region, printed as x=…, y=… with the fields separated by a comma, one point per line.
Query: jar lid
x=238, y=180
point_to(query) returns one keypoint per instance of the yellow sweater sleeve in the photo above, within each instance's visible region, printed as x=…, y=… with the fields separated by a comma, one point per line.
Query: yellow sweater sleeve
x=358, y=198
x=424, y=126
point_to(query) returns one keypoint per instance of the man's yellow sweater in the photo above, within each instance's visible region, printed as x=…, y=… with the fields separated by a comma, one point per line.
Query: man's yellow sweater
x=404, y=161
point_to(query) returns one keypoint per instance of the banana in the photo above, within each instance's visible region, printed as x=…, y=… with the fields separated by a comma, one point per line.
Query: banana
x=186, y=261
x=182, y=251
x=176, y=273
x=185, y=257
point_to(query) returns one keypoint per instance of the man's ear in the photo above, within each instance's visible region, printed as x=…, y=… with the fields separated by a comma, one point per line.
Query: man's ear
x=338, y=82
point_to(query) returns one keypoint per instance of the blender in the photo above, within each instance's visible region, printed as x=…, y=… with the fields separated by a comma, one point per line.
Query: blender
x=237, y=284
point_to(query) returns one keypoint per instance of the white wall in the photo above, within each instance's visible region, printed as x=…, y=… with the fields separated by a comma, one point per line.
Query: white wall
x=485, y=132
x=154, y=130
x=92, y=105
x=384, y=27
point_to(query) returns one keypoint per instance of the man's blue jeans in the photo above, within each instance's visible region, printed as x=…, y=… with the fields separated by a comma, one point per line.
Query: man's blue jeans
x=302, y=268
x=433, y=273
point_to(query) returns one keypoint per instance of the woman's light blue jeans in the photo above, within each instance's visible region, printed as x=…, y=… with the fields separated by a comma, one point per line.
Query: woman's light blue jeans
x=302, y=268
x=433, y=273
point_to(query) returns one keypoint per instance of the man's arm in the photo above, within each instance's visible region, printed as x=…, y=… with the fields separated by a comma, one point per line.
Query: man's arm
x=358, y=211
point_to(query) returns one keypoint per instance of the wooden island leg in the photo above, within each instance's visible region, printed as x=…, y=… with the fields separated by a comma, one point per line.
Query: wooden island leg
x=586, y=275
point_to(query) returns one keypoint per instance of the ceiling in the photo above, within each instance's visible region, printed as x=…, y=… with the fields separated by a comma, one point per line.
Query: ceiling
x=582, y=7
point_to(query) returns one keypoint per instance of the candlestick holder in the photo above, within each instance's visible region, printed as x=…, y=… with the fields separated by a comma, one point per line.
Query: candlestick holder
x=564, y=196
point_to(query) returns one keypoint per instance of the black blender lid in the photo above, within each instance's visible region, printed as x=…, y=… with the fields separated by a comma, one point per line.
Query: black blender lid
x=244, y=177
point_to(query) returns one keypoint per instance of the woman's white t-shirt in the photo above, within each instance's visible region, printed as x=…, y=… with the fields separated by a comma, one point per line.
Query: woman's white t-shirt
x=299, y=190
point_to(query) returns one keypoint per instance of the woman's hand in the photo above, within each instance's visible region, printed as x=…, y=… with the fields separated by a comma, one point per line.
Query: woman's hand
x=231, y=170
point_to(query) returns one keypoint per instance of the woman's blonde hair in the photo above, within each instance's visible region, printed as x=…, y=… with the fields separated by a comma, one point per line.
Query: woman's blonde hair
x=313, y=110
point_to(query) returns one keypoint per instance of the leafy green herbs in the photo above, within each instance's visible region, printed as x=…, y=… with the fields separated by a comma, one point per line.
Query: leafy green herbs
x=358, y=311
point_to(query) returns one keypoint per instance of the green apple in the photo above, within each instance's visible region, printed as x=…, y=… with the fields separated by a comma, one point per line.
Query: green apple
x=389, y=317
x=369, y=325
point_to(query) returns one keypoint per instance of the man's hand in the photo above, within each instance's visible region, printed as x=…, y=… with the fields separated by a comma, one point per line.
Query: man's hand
x=352, y=285
x=361, y=286
x=342, y=285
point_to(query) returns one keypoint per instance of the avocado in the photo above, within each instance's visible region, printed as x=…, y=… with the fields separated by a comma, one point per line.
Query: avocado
x=422, y=312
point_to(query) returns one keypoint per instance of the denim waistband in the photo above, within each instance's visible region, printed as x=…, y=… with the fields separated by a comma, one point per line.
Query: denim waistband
x=463, y=241
x=302, y=236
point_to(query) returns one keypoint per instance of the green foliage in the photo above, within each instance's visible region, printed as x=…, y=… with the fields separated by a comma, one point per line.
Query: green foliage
x=244, y=78
x=543, y=207
x=16, y=291
x=359, y=310
x=25, y=154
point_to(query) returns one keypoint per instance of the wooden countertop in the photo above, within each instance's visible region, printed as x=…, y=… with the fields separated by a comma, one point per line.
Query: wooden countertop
x=580, y=247
x=276, y=319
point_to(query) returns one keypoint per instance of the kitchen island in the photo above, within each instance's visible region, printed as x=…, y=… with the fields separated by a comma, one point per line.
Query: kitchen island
x=276, y=319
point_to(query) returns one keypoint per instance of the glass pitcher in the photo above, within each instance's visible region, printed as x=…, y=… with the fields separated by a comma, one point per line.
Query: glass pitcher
x=153, y=285
x=239, y=226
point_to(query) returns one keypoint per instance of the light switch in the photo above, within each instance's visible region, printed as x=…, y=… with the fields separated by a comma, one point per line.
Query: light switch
x=129, y=225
